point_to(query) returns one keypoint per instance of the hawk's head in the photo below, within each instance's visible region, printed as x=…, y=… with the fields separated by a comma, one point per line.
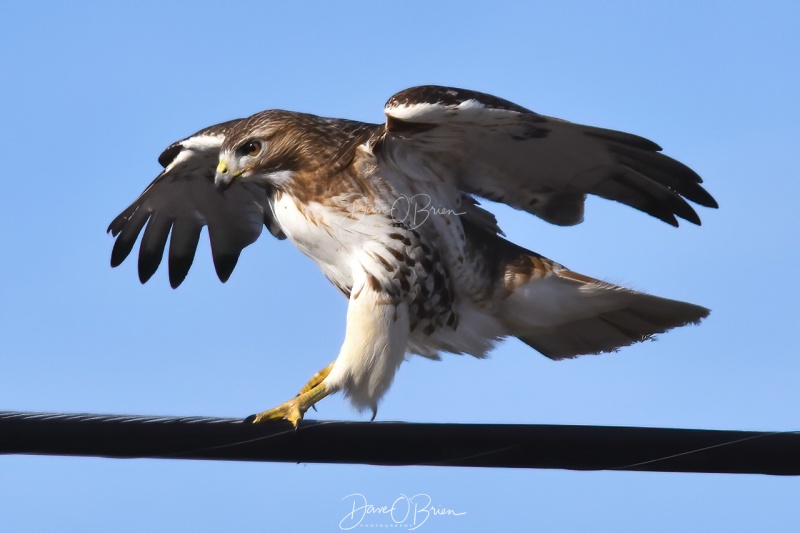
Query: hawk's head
x=265, y=148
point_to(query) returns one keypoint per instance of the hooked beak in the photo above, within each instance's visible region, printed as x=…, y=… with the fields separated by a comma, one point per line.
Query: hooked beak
x=223, y=178
x=225, y=175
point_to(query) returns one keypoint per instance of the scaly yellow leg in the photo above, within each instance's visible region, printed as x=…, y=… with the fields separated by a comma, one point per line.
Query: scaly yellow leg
x=294, y=409
x=316, y=379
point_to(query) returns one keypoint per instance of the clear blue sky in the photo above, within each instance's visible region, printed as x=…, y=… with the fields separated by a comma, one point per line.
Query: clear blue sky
x=92, y=93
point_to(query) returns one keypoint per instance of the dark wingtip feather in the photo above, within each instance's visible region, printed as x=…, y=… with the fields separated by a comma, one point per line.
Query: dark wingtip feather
x=672, y=221
x=625, y=139
x=699, y=195
x=667, y=209
x=121, y=221
x=151, y=249
x=685, y=211
x=178, y=270
x=145, y=274
x=148, y=264
x=182, y=249
x=664, y=216
x=121, y=250
x=667, y=171
x=126, y=229
x=117, y=224
x=224, y=263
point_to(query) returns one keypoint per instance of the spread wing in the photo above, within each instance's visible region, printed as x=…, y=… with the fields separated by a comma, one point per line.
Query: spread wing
x=493, y=148
x=183, y=199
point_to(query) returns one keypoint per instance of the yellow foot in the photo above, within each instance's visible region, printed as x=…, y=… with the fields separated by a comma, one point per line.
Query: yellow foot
x=291, y=411
x=294, y=409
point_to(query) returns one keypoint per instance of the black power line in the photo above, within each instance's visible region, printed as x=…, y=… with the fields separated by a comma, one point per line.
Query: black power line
x=399, y=443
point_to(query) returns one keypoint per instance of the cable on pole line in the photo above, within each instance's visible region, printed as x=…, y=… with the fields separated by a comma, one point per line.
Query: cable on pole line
x=401, y=443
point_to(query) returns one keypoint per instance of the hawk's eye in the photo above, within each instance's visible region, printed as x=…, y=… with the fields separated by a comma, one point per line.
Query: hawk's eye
x=252, y=148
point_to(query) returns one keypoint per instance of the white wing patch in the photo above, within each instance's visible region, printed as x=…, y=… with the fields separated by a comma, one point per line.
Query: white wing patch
x=467, y=112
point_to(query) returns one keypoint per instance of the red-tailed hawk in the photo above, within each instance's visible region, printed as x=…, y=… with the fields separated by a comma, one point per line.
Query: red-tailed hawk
x=388, y=212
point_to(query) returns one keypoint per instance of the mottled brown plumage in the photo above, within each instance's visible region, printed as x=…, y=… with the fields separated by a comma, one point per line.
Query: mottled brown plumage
x=388, y=211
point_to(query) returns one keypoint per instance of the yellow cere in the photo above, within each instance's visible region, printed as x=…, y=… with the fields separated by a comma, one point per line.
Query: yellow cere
x=222, y=168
